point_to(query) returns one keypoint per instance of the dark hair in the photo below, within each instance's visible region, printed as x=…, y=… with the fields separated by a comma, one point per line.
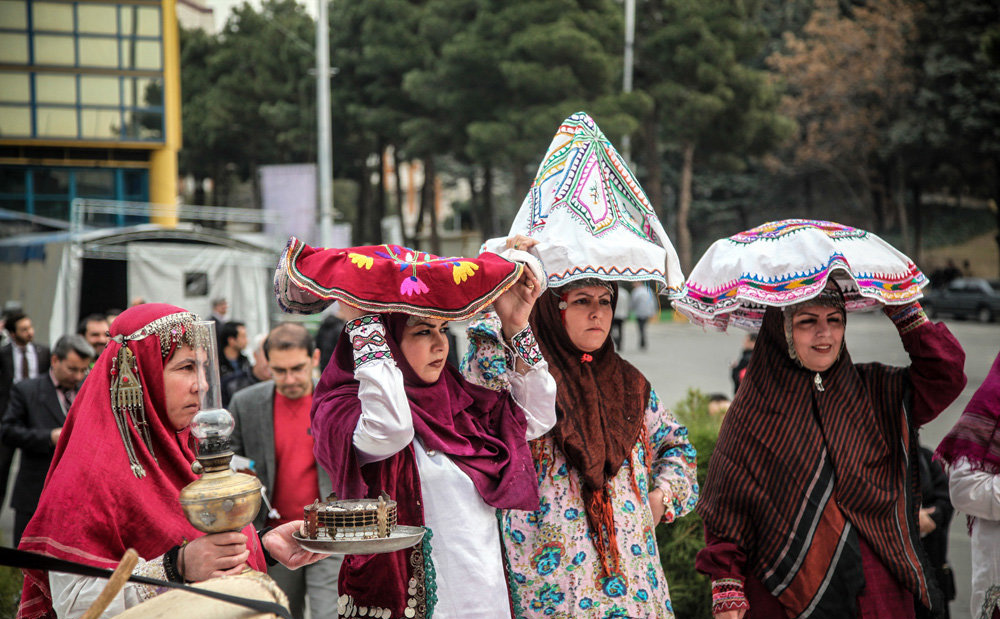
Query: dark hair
x=718, y=397
x=74, y=342
x=82, y=328
x=230, y=329
x=286, y=336
x=12, y=318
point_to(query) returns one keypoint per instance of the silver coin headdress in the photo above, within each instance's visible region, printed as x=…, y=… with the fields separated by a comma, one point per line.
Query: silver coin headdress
x=126, y=388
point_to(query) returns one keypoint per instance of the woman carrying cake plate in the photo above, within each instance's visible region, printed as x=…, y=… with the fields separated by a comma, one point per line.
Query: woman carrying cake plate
x=390, y=415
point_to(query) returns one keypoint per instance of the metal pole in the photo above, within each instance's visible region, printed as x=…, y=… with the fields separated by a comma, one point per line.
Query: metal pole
x=324, y=166
x=627, y=73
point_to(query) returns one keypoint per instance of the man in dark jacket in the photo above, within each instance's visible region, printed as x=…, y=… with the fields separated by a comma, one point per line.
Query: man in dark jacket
x=34, y=419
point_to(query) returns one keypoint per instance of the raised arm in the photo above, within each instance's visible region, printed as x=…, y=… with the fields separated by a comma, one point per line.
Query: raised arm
x=937, y=361
x=386, y=425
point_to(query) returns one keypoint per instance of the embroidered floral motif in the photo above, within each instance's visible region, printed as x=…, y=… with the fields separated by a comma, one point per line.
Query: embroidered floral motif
x=554, y=539
x=463, y=270
x=486, y=361
x=363, y=262
x=407, y=258
x=411, y=286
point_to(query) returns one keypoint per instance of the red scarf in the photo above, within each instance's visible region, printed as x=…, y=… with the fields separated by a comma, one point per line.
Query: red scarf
x=601, y=402
x=93, y=508
x=976, y=436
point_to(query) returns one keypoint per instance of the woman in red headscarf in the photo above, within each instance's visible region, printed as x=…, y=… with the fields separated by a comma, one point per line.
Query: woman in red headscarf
x=117, y=473
x=390, y=415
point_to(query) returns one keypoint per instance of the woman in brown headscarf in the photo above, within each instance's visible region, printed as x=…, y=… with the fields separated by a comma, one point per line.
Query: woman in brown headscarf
x=810, y=505
x=615, y=465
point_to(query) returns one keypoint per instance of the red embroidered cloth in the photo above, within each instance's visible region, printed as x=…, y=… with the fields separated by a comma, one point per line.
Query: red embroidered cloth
x=390, y=278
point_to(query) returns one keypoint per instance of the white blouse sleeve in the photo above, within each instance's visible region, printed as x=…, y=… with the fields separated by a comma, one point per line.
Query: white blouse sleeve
x=386, y=425
x=535, y=393
x=72, y=595
x=976, y=493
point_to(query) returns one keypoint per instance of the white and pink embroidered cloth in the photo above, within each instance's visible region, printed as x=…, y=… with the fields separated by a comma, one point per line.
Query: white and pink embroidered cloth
x=785, y=262
x=591, y=217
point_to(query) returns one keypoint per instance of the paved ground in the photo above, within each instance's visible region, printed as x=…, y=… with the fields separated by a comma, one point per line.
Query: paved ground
x=680, y=356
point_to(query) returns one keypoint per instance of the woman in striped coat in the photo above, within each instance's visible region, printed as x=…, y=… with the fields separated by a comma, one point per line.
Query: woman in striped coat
x=811, y=498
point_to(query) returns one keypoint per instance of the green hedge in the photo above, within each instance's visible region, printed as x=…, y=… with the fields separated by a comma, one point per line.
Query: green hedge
x=10, y=590
x=10, y=587
x=690, y=592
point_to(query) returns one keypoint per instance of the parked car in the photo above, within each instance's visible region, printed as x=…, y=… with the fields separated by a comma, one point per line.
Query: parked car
x=965, y=297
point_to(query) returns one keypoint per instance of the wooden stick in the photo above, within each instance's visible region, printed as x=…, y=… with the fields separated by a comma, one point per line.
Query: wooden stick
x=114, y=586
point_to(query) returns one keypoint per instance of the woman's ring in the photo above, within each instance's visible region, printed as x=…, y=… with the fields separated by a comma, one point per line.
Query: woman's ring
x=530, y=286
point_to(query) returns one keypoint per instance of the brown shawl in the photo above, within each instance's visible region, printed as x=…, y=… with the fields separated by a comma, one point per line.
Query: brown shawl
x=600, y=411
x=798, y=473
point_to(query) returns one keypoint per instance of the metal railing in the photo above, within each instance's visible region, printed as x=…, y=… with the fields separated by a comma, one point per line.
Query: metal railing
x=87, y=214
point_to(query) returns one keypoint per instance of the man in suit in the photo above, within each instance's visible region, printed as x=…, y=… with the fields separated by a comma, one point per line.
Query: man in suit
x=21, y=359
x=34, y=419
x=272, y=429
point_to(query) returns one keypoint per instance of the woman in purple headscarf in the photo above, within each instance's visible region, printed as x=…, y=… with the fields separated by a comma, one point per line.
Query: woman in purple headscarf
x=972, y=453
x=391, y=415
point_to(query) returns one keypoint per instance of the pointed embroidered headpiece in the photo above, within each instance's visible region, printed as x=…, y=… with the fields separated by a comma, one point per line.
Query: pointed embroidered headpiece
x=591, y=217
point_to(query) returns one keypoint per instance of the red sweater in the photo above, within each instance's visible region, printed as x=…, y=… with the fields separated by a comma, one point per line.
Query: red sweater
x=296, y=480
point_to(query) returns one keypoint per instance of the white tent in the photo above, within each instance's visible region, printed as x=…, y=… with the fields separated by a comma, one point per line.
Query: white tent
x=186, y=266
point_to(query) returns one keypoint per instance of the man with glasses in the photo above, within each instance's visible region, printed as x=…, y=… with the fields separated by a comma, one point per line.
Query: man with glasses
x=272, y=429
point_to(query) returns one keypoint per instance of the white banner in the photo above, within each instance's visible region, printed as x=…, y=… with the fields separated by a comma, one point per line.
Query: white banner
x=190, y=276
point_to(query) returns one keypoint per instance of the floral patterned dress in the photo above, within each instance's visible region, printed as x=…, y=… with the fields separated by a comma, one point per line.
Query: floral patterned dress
x=554, y=568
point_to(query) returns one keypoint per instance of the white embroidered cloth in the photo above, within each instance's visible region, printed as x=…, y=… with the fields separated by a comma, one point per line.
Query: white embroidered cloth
x=785, y=262
x=591, y=217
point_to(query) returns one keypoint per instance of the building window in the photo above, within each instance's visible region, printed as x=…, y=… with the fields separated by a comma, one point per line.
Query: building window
x=107, y=82
x=92, y=107
x=49, y=191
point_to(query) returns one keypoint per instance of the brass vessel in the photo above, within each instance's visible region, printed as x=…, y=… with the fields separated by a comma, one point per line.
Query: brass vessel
x=221, y=500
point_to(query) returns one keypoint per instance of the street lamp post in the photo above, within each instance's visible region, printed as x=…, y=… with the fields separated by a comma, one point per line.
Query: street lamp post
x=627, y=73
x=324, y=151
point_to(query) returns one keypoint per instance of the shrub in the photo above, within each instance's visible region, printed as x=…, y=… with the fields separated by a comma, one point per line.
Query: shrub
x=10, y=590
